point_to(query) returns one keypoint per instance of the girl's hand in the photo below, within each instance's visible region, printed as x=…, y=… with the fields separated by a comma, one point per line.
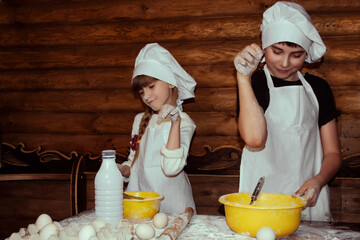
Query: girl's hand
x=310, y=191
x=168, y=111
x=248, y=59
x=124, y=169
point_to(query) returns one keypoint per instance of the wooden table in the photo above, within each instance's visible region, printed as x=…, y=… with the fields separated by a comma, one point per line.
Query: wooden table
x=215, y=227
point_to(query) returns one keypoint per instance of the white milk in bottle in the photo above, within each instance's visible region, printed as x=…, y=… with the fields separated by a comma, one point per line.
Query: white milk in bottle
x=109, y=190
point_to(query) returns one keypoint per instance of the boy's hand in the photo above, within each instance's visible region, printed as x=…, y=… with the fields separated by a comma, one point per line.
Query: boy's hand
x=124, y=169
x=310, y=191
x=248, y=59
x=168, y=111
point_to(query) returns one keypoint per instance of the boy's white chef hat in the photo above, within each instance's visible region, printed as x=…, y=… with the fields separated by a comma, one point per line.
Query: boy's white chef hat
x=289, y=22
x=155, y=61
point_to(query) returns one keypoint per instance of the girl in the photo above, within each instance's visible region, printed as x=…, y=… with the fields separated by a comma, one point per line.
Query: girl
x=162, y=134
x=287, y=119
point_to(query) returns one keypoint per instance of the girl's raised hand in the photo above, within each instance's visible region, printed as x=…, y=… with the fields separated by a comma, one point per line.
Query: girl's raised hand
x=248, y=59
x=168, y=111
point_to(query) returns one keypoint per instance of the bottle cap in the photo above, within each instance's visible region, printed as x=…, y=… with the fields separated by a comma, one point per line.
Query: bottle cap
x=108, y=153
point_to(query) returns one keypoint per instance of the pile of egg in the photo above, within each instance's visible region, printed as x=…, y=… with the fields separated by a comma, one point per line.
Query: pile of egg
x=47, y=229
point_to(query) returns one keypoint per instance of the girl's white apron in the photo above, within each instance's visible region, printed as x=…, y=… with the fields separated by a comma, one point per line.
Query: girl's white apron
x=147, y=175
x=293, y=152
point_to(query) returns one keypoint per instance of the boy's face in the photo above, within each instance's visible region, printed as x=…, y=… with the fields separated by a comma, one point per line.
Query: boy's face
x=284, y=61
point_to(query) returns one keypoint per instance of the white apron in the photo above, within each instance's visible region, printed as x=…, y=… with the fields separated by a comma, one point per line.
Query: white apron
x=293, y=152
x=147, y=175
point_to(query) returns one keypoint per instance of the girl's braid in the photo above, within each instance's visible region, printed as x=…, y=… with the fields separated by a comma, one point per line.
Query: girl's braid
x=142, y=127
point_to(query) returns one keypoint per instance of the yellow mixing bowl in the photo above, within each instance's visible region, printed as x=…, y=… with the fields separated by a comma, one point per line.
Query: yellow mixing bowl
x=145, y=209
x=281, y=212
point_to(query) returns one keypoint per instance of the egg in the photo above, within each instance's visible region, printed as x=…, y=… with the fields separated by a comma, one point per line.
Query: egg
x=145, y=231
x=48, y=230
x=42, y=221
x=160, y=220
x=265, y=233
x=86, y=232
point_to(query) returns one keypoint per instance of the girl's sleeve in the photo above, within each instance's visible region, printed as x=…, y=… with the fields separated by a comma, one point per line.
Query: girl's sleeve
x=135, y=130
x=173, y=161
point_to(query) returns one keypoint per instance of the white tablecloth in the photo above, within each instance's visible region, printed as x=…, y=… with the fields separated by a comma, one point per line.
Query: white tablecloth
x=215, y=227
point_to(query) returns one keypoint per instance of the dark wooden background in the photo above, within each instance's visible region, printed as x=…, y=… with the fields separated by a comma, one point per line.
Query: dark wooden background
x=66, y=66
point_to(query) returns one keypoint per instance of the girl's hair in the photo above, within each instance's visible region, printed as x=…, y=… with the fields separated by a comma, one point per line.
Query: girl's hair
x=139, y=82
x=290, y=44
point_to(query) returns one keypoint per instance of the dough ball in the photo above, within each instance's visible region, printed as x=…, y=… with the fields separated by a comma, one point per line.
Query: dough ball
x=145, y=231
x=265, y=233
x=160, y=220
x=42, y=221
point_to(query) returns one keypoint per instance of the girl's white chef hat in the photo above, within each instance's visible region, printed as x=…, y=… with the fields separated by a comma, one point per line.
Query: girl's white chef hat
x=155, y=61
x=289, y=22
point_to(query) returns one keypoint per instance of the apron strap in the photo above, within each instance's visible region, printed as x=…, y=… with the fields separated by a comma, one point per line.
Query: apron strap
x=306, y=85
x=269, y=80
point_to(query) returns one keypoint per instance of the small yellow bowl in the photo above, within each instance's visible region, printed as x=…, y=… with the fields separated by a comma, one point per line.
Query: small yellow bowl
x=281, y=212
x=146, y=209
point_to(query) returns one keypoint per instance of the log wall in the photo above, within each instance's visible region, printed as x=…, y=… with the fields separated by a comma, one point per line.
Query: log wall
x=66, y=65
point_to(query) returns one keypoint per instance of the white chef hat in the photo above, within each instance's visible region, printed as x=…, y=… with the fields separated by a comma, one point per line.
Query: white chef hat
x=155, y=61
x=289, y=22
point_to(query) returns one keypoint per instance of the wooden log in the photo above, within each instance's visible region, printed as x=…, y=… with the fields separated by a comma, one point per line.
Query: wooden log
x=45, y=11
x=347, y=99
x=72, y=101
x=220, y=123
x=349, y=145
x=206, y=100
x=336, y=73
x=61, y=79
x=206, y=76
x=68, y=123
x=350, y=127
x=244, y=27
x=340, y=49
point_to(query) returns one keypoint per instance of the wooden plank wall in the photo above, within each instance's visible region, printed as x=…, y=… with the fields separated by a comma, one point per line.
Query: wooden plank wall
x=66, y=66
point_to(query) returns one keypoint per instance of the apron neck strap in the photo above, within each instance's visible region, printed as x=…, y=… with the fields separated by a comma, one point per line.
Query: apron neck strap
x=269, y=80
x=306, y=85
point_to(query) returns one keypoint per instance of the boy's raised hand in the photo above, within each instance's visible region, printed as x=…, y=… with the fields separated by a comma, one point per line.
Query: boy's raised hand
x=248, y=59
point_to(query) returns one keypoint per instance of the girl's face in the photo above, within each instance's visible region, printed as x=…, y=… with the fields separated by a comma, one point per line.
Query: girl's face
x=156, y=94
x=284, y=61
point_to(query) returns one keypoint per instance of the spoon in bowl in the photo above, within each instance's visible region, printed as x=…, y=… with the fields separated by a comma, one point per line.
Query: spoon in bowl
x=257, y=190
x=127, y=196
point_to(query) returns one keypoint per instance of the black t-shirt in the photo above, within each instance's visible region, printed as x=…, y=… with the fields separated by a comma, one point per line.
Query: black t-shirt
x=322, y=90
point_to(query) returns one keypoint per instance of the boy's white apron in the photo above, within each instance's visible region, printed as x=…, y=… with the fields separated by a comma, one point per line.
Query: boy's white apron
x=293, y=152
x=147, y=175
